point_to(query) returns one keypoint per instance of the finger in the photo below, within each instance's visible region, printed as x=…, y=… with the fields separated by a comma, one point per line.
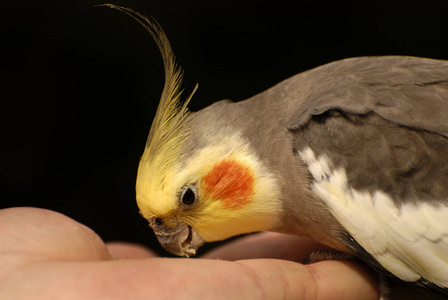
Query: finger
x=267, y=245
x=162, y=278
x=324, y=280
x=123, y=250
x=345, y=280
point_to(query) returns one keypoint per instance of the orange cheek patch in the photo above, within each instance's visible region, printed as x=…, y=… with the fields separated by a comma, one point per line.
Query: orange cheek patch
x=231, y=182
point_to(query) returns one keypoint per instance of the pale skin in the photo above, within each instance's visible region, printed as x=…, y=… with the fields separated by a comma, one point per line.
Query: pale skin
x=46, y=255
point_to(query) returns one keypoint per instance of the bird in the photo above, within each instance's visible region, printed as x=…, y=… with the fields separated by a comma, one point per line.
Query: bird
x=353, y=154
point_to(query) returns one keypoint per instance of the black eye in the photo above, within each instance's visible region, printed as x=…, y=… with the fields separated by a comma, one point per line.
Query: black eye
x=188, y=196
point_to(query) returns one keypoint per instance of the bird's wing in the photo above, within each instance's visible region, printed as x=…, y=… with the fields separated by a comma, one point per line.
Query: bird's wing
x=409, y=91
x=373, y=134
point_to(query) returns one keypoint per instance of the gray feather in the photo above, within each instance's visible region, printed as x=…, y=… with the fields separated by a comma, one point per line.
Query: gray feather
x=408, y=91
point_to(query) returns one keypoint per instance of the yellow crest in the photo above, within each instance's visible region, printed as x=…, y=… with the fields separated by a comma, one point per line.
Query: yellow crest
x=162, y=150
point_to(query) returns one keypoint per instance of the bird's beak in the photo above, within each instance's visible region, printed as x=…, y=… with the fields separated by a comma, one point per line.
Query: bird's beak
x=180, y=239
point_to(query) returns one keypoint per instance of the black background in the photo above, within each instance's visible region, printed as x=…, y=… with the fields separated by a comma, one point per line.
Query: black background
x=80, y=84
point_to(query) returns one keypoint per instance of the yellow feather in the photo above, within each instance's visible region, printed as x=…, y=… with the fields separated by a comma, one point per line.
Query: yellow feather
x=210, y=218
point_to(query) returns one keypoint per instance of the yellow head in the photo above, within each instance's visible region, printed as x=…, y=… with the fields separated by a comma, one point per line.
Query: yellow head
x=208, y=193
x=220, y=191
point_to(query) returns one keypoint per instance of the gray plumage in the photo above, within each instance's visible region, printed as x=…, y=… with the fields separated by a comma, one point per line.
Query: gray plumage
x=382, y=119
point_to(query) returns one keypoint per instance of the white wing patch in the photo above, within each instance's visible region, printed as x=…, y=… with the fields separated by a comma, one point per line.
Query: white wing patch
x=411, y=241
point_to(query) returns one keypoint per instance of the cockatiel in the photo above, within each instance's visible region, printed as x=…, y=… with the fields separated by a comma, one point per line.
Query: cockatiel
x=353, y=154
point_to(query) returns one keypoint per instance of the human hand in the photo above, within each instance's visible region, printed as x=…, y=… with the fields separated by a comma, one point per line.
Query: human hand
x=46, y=255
